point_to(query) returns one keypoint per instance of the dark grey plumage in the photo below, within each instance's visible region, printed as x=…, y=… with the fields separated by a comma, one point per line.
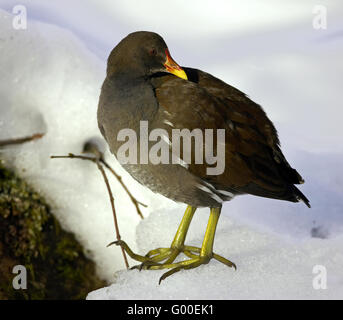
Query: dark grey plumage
x=137, y=87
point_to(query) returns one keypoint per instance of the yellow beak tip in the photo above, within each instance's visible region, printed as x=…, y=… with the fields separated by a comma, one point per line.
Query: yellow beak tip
x=179, y=73
x=182, y=74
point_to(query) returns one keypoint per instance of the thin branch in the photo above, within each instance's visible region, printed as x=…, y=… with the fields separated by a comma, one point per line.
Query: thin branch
x=95, y=147
x=20, y=140
x=119, y=178
x=113, y=210
x=100, y=158
x=97, y=162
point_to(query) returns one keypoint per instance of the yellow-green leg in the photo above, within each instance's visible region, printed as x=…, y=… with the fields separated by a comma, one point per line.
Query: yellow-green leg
x=177, y=245
x=205, y=253
x=160, y=254
x=198, y=256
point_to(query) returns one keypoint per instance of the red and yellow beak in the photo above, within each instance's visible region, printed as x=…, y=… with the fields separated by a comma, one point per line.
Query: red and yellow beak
x=172, y=67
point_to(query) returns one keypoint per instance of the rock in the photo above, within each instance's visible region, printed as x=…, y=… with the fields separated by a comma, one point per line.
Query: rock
x=57, y=266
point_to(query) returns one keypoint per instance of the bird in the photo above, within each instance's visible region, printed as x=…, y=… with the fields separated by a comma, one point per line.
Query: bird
x=144, y=84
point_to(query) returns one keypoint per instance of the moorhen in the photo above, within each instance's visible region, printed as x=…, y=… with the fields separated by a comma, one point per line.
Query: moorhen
x=145, y=88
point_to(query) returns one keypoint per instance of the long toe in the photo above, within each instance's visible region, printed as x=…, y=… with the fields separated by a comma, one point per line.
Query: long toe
x=188, y=264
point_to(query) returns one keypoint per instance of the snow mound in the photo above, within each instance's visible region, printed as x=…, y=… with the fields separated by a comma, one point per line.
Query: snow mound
x=268, y=267
x=50, y=83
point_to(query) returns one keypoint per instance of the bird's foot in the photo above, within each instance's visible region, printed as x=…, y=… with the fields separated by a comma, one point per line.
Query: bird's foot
x=194, y=253
x=151, y=261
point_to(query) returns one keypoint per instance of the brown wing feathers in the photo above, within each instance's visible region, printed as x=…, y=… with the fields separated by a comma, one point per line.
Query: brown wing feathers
x=254, y=161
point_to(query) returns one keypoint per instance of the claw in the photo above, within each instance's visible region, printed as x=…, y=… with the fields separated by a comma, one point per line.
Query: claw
x=112, y=243
x=137, y=266
x=168, y=274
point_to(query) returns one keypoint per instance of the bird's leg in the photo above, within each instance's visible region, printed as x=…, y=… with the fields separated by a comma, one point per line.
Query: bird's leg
x=177, y=245
x=205, y=254
x=198, y=256
x=160, y=254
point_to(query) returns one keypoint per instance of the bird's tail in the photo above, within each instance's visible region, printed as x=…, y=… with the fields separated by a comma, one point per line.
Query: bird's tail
x=300, y=196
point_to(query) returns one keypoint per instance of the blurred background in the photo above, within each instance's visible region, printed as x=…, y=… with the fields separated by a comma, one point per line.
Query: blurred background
x=287, y=56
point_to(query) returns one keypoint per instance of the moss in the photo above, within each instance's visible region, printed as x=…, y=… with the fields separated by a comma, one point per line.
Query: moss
x=57, y=267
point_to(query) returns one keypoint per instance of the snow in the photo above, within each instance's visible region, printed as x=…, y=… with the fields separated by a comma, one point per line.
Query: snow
x=267, y=267
x=51, y=75
x=51, y=83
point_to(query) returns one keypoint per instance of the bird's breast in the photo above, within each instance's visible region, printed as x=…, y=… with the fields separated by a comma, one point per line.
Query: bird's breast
x=122, y=106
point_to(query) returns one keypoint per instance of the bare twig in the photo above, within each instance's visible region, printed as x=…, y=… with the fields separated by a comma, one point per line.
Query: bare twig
x=133, y=199
x=113, y=210
x=21, y=140
x=97, y=162
x=95, y=147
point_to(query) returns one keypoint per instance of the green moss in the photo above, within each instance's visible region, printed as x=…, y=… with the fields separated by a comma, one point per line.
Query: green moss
x=57, y=267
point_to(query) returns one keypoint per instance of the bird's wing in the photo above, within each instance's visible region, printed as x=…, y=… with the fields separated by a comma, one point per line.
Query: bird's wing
x=240, y=102
x=254, y=162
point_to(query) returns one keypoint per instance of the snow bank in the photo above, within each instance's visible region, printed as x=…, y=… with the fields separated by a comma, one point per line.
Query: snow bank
x=268, y=267
x=51, y=83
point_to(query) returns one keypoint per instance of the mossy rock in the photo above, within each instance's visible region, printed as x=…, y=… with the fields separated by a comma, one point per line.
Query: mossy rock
x=56, y=265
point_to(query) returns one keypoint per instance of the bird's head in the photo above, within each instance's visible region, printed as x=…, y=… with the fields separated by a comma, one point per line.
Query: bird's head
x=143, y=53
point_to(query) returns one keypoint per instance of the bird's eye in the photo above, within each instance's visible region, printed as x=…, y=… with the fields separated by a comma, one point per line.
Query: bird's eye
x=153, y=52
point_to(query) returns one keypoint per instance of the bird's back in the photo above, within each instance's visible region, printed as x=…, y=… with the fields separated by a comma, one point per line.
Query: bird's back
x=254, y=162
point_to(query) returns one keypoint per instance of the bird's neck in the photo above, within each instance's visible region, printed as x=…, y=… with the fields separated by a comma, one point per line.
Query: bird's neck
x=134, y=96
